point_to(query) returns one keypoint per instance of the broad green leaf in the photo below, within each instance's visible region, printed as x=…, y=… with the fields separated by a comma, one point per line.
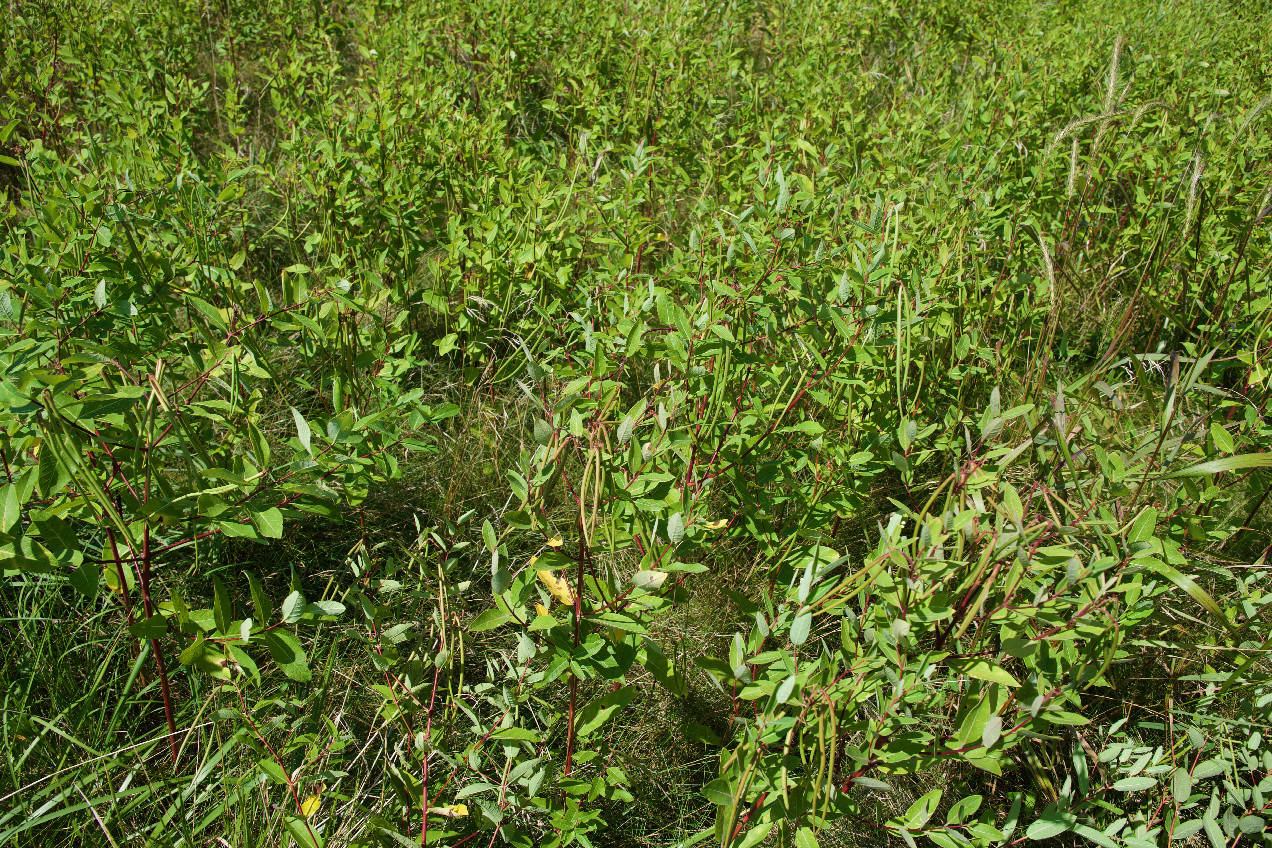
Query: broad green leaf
x=1092, y=835
x=1222, y=438
x=1213, y=833
x=1051, y=823
x=293, y=608
x=804, y=838
x=596, y=713
x=1012, y=506
x=542, y=432
x=1181, y=785
x=302, y=431
x=921, y=810
x=1134, y=784
x=10, y=509
x=489, y=620
x=675, y=528
x=993, y=731
x=963, y=809
x=150, y=628
x=719, y=792
x=1252, y=824
x=800, y=628
x=85, y=578
x=1186, y=829
x=286, y=651
x=1209, y=768
x=302, y=832
x=269, y=522
x=984, y=670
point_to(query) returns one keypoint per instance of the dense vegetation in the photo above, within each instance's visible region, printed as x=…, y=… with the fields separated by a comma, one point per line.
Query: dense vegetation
x=678, y=423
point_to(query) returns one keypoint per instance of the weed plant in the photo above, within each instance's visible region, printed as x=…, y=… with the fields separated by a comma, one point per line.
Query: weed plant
x=666, y=423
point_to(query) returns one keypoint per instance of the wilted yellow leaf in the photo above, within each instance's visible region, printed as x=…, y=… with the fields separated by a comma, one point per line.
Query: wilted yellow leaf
x=540, y=609
x=717, y=525
x=450, y=811
x=559, y=588
x=555, y=542
x=310, y=805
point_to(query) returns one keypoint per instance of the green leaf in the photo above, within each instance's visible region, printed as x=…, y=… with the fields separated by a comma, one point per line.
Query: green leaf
x=269, y=522
x=1051, y=823
x=221, y=610
x=921, y=810
x=1222, y=438
x=293, y=608
x=963, y=809
x=85, y=578
x=149, y=628
x=274, y=771
x=1213, y=833
x=1186, y=829
x=804, y=838
x=1250, y=825
x=489, y=620
x=1181, y=785
x=1134, y=784
x=488, y=536
x=675, y=528
x=993, y=731
x=245, y=661
x=57, y=535
x=1228, y=463
x=596, y=713
x=542, y=432
x=50, y=478
x=332, y=608
x=302, y=431
x=203, y=657
x=1092, y=835
x=1198, y=594
x=286, y=651
x=719, y=792
x=984, y=670
x=1141, y=529
x=260, y=601
x=10, y=509
x=301, y=831
x=800, y=627
x=1210, y=768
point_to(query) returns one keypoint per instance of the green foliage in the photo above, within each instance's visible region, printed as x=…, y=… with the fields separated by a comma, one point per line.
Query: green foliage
x=827, y=421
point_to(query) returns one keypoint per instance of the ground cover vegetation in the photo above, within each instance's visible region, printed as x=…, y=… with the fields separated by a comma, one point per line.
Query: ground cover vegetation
x=683, y=423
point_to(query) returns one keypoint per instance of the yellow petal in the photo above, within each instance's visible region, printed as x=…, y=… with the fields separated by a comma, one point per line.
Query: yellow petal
x=310, y=805
x=555, y=542
x=559, y=588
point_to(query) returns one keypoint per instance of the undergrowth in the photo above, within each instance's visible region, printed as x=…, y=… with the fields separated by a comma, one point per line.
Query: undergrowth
x=659, y=424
